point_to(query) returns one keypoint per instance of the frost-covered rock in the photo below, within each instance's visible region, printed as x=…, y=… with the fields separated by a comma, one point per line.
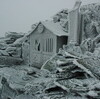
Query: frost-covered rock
x=92, y=94
x=87, y=45
x=91, y=13
x=25, y=96
x=73, y=49
x=12, y=37
x=3, y=53
x=3, y=46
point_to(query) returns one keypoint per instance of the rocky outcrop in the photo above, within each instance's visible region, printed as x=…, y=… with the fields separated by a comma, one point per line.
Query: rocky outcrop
x=72, y=73
x=75, y=72
x=91, y=14
x=12, y=37
x=9, y=61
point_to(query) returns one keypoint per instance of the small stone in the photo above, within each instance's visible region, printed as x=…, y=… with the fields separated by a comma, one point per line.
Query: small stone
x=92, y=94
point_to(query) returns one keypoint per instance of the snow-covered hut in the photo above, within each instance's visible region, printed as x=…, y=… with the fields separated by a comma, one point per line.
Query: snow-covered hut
x=45, y=41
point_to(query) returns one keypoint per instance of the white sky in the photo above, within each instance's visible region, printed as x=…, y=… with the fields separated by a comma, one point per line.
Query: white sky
x=19, y=15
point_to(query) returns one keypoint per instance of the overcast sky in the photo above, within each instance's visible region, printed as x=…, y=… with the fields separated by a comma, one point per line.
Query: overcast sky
x=19, y=15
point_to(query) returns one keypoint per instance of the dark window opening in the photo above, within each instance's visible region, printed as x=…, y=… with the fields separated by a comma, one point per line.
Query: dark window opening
x=63, y=40
x=37, y=45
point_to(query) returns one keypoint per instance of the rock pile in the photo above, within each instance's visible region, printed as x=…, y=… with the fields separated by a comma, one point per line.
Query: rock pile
x=75, y=75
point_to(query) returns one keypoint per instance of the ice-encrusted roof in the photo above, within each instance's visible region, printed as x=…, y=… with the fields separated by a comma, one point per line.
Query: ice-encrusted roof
x=55, y=28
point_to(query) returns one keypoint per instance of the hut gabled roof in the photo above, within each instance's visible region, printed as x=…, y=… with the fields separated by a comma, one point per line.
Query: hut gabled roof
x=55, y=28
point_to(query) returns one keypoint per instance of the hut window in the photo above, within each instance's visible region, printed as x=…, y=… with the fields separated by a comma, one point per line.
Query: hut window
x=48, y=45
x=37, y=45
x=51, y=45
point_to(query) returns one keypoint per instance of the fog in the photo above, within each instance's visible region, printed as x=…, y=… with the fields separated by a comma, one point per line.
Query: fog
x=19, y=15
